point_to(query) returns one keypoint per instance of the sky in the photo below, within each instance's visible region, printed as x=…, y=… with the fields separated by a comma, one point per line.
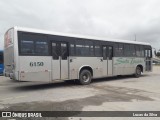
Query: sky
x=115, y=19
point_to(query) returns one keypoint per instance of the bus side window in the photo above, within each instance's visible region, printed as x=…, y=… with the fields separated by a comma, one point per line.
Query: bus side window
x=72, y=49
x=126, y=50
x=97, y=51
x=27, y=47
x=55, y=51
x=104, y=53
x=132, y=50
x=41, y=48
x=142, y=51
x=138, y=52
x=110, y=52
x=64, y=51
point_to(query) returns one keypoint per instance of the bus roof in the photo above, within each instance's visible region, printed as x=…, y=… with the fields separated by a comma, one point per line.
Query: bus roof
x=77, y=36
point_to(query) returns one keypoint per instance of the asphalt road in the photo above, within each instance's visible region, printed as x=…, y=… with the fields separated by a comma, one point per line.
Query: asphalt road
x=108, y=94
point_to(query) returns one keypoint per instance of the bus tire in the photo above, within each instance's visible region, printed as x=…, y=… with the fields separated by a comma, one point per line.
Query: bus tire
x=138, y=72
x=85, y=77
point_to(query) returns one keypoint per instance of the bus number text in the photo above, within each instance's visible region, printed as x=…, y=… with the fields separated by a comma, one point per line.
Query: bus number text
x=36, y=64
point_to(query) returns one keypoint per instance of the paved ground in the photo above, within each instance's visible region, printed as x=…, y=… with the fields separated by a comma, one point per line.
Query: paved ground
x=108, y=94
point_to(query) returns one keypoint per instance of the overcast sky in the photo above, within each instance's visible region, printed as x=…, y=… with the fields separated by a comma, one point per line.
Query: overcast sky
x=119, y=19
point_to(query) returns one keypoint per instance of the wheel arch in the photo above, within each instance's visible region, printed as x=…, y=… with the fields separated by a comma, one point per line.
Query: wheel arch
x=87, y=67
x=141, y=66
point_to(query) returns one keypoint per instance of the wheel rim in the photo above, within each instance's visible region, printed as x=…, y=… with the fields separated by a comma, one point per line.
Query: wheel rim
x=86, y=77
x=138, y=71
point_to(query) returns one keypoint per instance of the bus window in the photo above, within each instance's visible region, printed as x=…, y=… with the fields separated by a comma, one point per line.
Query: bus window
x=72, y=49
x=90, y=50
x=64, y=51
x=55, y=51
x=27, y=47
x=119, y=49
x=110, y=52
x=104, y=53
x=138, y=52
x=126, y=50
x=148, y=53
x=41, y=47
x=142, y=51
x=132, y=50
x=97, y=51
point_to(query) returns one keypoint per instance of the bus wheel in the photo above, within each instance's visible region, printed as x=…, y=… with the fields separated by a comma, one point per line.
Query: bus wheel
x=138, y=72
x=85, y=77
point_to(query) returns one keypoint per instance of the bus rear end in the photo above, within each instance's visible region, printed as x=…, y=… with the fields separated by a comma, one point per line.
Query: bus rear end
x=9, y=53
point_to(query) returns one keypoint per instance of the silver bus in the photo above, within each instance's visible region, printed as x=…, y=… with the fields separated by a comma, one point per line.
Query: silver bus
x=38, y=55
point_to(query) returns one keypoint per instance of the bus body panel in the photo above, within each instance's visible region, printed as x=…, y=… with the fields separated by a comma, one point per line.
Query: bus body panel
x=79, y=62
x=126, y=65
x=35, y=68
x=56, y=69
x=110, y=67
x=60, y=69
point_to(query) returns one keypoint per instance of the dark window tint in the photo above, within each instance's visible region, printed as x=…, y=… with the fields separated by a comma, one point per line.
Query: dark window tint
x=1, y=57
x=64, y=51
x=79, y=50
x=89, y=48
x=142, y=51
x=84, y=48
x=132, y=50
x=97, y=51
x=119, y=49
x=72, y=49
x=33, y=44
x=110, y=52
x=104, y=52
x=126, y=50
x=41, y=48
x=55, y=51
x=138, y=51
x=27, y=47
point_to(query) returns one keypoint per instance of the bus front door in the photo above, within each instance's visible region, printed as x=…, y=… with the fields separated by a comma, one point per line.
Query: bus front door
x=59, y=60
x=148, y=62
x=107, y=60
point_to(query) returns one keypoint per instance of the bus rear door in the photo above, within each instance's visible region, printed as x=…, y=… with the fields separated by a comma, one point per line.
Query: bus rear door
x=107, y=60
x=148, y=60
x=59, y=60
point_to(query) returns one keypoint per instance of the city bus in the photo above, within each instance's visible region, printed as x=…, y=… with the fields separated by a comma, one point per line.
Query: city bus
x=1, y=62
x=40, y=55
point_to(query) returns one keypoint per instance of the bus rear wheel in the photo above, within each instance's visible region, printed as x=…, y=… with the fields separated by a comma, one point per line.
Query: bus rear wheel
x=85, y=77
x=138, y=72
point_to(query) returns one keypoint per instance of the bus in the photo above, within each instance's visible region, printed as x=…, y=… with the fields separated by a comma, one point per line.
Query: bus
x=1, y=62
x=39, y=55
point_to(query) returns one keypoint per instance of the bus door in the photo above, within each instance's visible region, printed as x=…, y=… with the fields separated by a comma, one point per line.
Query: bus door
x=148, y=62
x=107, y=60
x=110, y=60
x=59, y=60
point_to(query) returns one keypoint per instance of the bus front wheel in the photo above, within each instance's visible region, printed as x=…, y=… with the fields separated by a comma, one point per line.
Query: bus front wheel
x=138, y=72
x=85, y=77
